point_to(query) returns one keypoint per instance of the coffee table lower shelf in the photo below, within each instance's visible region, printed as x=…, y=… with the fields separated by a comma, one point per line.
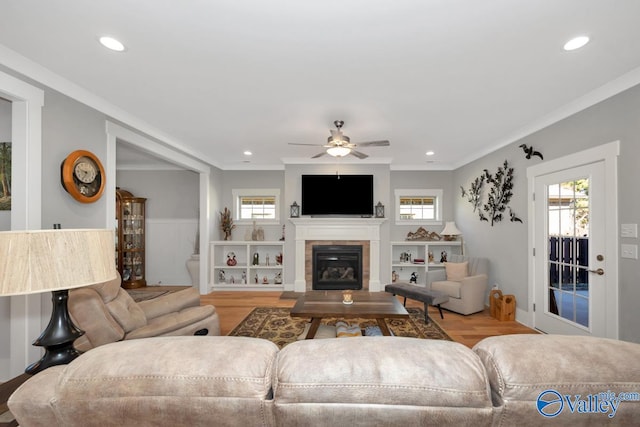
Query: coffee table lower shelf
x=372, y=305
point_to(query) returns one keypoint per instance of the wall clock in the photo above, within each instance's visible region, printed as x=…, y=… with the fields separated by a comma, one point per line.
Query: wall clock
x=83, y=176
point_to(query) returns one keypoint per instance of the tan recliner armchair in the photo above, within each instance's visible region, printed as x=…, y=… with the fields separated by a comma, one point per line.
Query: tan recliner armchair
x=107, y=313
x=467, y=295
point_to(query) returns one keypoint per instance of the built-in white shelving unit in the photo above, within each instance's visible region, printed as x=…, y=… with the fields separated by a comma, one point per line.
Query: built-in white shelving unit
x=403, y=266
x=243, y=275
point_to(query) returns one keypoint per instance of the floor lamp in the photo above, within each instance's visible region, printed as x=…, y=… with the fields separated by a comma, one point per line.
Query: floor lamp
x=55, y=260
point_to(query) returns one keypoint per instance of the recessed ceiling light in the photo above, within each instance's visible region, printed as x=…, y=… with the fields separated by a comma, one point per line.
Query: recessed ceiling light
x=430, y=153
x=247, y=153
x=576, y=43
x=111, y=43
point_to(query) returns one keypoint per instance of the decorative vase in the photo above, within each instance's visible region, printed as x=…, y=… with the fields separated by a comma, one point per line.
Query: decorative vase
x=193, y=267
x=227, y=235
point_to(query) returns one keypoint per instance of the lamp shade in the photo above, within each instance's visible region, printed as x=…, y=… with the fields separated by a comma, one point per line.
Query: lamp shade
x=450, y=229
x=50, y=260
x=338, y=151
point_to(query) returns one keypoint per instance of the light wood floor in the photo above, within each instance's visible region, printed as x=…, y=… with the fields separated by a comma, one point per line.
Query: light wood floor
x=234, y=306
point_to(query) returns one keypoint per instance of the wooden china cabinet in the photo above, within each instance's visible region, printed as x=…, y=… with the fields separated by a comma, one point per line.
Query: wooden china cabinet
x=130, y=239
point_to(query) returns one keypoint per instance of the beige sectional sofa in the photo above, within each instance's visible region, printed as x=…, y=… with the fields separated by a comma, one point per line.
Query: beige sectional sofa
x=366, y=381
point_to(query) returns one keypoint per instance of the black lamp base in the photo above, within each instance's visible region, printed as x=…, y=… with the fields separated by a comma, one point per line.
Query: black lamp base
x=58, y=337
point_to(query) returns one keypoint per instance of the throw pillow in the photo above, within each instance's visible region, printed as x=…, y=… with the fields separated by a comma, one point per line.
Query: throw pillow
x=456, y=271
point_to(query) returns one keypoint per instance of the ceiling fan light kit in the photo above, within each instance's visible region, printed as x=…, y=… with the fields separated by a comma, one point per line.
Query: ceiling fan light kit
x=338, y=151
x=340, y=145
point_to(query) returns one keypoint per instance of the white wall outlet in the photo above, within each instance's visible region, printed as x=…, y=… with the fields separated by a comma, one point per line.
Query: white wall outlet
x=629, y=230
x=496, y=286
x=629, y=251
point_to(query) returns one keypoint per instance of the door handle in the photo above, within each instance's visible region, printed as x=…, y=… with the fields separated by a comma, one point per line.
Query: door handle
x=599, y=271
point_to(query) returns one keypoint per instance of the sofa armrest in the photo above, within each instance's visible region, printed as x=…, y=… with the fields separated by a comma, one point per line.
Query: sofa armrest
x=90, y=314
x=473, y=287
x=31, y=403
x=170, y=303
x=436, y=275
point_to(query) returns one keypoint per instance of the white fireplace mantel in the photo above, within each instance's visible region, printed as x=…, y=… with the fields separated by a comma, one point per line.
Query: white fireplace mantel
x=337, y=229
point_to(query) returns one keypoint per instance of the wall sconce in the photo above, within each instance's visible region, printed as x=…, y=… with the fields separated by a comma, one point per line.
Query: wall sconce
x=379, y=210
x=295, y=210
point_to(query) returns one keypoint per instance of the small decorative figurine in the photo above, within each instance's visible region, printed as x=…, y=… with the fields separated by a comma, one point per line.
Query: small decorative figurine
x=221, y=276
x=256, y=259
x=256, y=278
x=278, y=279
x=266, y=259
x=231, y=259
x=443, y=256
x=413, y=278
x=232, y=280
x=244, y=278
x=394, y=276
x=265, y=281
x=279, y=259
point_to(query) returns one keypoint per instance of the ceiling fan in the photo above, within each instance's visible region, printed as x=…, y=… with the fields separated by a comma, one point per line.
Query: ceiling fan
x=340, y=145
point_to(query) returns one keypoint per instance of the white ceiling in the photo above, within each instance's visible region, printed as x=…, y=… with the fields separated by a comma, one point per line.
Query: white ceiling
x=459, y=77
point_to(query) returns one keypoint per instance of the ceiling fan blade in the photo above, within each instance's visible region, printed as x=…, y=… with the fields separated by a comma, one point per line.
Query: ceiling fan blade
x=319, y=155
x=359, y=154
x=381, y=143
x=313, y=145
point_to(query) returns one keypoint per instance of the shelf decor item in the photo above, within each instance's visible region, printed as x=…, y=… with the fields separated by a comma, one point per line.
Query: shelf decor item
x=379, y=210
x=226, y=223
x=295, y=210
x=450, y=233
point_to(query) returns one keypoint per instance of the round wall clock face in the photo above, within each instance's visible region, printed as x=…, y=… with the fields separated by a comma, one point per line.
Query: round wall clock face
x=83, y=176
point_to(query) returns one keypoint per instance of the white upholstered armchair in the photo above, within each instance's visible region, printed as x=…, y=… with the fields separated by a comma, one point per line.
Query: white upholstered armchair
x=466, y=284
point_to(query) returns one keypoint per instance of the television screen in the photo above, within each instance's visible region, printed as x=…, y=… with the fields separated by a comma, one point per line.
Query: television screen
x=337, y=195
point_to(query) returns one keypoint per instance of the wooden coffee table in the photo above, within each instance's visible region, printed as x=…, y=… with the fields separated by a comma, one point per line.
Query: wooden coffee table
x=374, y=305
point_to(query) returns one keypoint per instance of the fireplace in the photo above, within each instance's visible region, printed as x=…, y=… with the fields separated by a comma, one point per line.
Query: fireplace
x=337, y=267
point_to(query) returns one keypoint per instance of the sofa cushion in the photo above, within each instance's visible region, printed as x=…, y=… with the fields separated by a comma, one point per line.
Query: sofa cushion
x=450, y=288
x=126, y=312
x=206, y=380
x=522, y=367
x=456, y=271
x=380, y=381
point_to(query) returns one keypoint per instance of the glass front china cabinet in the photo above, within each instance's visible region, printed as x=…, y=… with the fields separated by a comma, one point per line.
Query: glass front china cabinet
x=130, y=239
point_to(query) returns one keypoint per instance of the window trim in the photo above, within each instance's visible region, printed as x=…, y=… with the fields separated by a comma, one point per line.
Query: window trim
x=436, y=193
x=237, y=193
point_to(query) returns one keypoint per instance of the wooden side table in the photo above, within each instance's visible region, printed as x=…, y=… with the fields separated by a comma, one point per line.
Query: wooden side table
x=6, y=389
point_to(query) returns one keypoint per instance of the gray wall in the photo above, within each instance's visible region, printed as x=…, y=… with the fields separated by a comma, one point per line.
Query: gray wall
x=169, y=193
x=617, y=118
x=417, y=180
x=250, y=179
x=68, y=125
x=172, y=210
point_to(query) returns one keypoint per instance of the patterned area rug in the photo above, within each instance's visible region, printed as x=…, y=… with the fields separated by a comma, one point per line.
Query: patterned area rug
x=275, y=324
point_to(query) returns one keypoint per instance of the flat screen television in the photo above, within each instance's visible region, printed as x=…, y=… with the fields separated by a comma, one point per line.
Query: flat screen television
x=338, y=195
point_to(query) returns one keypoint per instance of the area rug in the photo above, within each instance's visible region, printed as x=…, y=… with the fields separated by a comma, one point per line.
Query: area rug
x=275, y=325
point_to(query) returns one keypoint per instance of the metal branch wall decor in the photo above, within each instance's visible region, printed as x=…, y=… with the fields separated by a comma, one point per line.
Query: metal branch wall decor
x=500, y=186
